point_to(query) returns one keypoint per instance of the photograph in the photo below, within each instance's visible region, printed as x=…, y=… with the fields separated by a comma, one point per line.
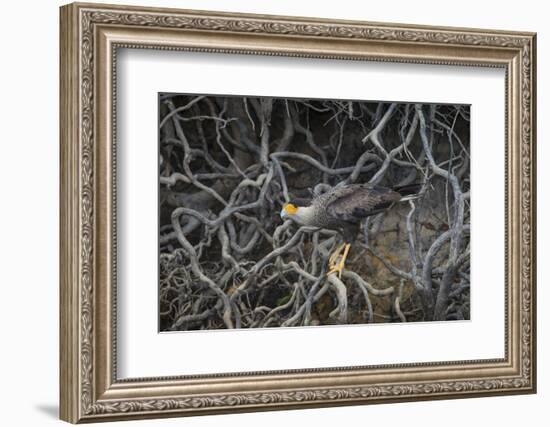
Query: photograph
x=266, y=211
x=285, y=212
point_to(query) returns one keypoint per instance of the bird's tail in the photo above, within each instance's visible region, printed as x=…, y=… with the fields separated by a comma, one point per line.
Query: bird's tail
x=408, y=192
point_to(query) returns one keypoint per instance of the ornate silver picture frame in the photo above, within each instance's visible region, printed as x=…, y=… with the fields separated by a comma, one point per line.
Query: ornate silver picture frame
x=91, y=37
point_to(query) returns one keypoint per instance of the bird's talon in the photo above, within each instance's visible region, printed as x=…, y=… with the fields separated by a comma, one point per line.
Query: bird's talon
x=333, y=266
x=336, y=268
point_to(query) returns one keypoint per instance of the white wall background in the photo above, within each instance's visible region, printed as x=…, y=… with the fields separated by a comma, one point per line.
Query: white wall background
x=29, y=170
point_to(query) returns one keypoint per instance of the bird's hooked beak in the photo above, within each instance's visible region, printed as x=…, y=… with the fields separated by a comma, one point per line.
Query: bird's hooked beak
x=283, y=214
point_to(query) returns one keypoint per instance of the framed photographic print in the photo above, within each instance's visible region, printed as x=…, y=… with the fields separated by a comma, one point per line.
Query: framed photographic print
x=267, y=212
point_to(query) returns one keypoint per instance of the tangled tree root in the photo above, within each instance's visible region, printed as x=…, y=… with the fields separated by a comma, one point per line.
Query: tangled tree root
x=227, y=165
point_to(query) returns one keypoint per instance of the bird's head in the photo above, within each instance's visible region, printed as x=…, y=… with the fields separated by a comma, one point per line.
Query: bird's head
x=298, y=210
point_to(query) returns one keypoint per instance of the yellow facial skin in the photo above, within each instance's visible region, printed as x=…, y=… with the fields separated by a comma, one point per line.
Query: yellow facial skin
x=288, y=210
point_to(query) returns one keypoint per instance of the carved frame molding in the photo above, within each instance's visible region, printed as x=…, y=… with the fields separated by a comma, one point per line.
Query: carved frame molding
x=90, y=36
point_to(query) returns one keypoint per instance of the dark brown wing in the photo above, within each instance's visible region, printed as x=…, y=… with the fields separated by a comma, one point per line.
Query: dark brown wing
x=354, y=202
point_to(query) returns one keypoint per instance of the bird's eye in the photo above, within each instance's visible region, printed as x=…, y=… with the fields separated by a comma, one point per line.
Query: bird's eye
x=291, y=209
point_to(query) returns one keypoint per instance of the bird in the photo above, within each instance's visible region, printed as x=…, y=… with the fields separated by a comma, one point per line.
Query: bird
x=342, y=208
